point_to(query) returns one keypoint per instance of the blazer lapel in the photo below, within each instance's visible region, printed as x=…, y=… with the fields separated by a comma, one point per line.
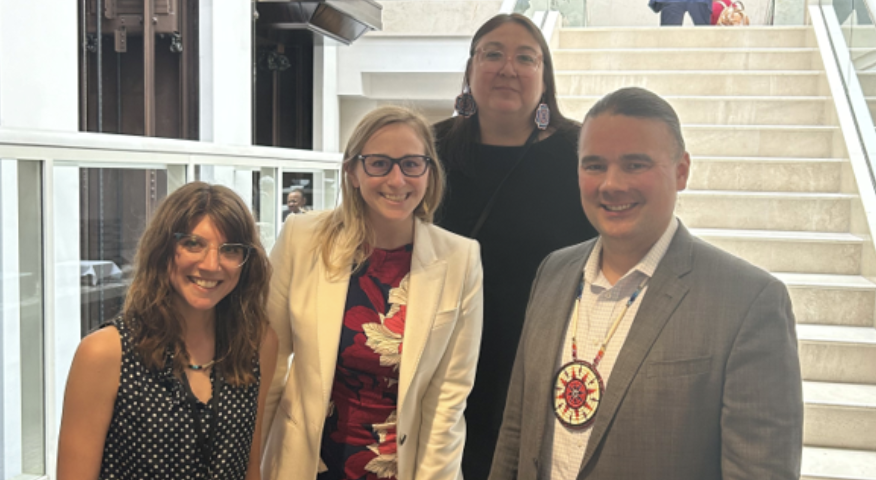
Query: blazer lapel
x=427, y=276
x=331, y=300
x=665, y=290
x=552, y=320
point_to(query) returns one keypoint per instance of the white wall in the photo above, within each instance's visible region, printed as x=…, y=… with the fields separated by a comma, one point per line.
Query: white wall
x=38, y=65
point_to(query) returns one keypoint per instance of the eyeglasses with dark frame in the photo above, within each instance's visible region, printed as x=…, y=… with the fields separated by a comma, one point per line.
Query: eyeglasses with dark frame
x=377, y=165
x=231, y=255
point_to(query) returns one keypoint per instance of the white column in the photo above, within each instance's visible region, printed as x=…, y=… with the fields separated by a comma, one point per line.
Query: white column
x=38, y=65
x=226, y=71
x=65, y=327
x=10, y=330
x=326, y=110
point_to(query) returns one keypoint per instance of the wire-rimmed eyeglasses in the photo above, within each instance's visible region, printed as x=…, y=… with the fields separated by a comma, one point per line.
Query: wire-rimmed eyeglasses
x=492, y=60
x=231, y=255
x=377, y=165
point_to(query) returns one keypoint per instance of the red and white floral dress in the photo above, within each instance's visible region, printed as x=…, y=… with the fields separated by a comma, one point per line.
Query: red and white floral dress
x=359, y=438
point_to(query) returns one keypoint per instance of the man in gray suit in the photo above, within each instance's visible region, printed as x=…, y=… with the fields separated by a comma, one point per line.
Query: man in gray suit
x=647, y=353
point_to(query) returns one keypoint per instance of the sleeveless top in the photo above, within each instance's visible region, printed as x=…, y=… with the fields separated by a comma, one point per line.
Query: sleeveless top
x=157, y=424
x=359, y=438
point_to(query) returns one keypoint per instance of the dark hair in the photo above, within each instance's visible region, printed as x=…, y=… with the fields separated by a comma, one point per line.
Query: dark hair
x=241, y=318
x=459, y=139
x=640, y=103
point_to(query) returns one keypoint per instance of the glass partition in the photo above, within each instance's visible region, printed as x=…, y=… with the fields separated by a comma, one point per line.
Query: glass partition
x=22, y=398
x=106, y=209
x=256, y=186
x=72, y=210
x=853, y=38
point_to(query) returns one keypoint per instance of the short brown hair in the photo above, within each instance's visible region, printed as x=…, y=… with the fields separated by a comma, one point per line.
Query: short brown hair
x=640, y=103
x=241, y=318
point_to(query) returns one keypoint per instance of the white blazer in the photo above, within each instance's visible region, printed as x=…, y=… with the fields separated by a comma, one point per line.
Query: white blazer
x=441, y=342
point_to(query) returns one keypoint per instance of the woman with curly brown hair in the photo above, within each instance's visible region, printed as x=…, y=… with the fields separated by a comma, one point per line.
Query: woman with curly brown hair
x=172, y=387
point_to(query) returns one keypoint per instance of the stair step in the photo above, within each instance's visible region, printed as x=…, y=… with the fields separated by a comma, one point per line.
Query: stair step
x=812, y=212
x=831, y=353
x=838, y=464
x=679, y=82
x=840, y=415
x=831, y=299
x=687, y=59
x=760, y=141
x=732, y=110
x=766, y=174
x=649, y=37
x=809, y=252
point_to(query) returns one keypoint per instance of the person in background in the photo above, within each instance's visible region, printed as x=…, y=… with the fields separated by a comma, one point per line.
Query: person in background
x=672, y=11
x=509, y=137
x=172, y=387
x=648, y=353
x=296, y=203
x=381, y=313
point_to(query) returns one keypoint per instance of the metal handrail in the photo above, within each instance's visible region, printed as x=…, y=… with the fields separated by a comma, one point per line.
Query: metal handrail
x=854, y=94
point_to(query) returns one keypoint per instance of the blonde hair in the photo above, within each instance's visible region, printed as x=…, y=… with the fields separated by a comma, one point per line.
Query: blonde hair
x=344, y=237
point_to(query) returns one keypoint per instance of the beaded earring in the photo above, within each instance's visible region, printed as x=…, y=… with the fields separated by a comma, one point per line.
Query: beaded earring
x=542, y=115
x=465, y=103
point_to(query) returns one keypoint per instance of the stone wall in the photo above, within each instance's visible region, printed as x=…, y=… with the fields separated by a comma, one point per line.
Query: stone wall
x=436, y=17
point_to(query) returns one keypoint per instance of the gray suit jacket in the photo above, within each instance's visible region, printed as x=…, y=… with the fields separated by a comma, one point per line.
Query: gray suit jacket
x=707, y=384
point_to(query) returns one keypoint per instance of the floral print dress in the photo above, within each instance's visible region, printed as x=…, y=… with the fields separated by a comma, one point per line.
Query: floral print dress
x=359, y=438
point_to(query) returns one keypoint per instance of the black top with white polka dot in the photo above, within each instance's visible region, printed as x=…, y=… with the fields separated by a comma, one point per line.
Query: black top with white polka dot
x=152, y=432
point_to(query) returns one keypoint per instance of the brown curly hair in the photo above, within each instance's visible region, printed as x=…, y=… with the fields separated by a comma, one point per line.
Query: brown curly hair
x=241, y=317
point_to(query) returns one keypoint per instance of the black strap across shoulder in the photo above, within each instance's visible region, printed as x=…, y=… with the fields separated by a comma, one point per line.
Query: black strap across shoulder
x=206, y=442
x=492, y=202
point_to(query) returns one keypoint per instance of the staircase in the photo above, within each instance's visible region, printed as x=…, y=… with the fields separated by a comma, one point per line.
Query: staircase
x=770, y=182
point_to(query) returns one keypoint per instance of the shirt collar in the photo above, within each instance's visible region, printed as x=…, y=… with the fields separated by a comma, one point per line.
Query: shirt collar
x=646, y=266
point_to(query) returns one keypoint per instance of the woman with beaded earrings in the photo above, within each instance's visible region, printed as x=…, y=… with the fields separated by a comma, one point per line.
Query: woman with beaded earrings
x=175, y=387
x=511, y=161
x=380, y=312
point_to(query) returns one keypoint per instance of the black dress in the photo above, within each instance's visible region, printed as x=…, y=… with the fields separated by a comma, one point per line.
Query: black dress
x=538, y=211
x=156, y=417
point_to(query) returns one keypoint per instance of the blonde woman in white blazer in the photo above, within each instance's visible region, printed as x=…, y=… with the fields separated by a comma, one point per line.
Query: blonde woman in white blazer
x=383, y=358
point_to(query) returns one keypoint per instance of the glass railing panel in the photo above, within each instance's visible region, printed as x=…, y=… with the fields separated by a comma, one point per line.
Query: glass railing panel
x=861, y=41
x=22, y=397
x=106, y=209
x=855, y=51
x=573, y=12
x=266, y=191
x=320, y=187
x=70, y=221
x=256, y=186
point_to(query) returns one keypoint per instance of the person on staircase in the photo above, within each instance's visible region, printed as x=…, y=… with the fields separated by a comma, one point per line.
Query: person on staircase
x=672, y=11
x=509, y=137
x=648, y=353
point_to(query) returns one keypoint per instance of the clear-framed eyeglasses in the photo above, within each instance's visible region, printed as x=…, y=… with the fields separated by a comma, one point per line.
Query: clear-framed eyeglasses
x=231, y=255
x=377, y=165
x=491, y=60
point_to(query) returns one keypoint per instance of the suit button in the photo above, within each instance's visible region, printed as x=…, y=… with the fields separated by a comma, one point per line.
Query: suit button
x=401, y=441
